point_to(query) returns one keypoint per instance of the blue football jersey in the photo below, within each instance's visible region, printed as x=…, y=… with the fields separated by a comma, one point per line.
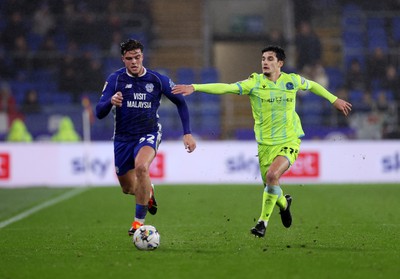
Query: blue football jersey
x=141, y=100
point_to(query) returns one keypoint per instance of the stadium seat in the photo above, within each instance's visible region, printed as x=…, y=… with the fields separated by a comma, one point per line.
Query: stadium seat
x=34, y=41
x=377, y=38
x=353, y=39
x=375, y=22
x=141, y=36
x=349, y=57
x=61, y=40
x=210, y=125
x=61, y=98
x=185, y=75
x=396, y=28
x=209, y=75
x=244, y=134
x=356, y=96
x=164, y=71
x=388, y=93
x=312, y=109
x=352, y=22
x=93, y=96
x=36, y=123
x=111, y=64
x=335, y=77
x=20, y=87
x=376, y=84
x=351, y=8
x=352, y=17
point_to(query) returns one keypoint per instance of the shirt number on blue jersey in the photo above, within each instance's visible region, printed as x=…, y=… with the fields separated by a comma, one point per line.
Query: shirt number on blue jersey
x=149, y=138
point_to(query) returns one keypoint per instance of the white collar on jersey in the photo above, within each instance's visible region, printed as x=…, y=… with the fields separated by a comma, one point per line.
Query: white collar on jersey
x=144, y=72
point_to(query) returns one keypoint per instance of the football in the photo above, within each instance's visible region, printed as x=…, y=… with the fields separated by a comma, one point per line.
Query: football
x=146, y=238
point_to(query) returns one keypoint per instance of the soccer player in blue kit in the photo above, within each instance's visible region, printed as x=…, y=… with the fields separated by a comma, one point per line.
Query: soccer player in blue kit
x=133, y=94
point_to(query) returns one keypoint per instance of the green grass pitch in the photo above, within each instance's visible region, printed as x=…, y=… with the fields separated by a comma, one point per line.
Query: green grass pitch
x=338, y=231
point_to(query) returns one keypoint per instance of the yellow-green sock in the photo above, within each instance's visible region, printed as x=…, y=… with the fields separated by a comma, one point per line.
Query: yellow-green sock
x=281, y=202
x=269, y=201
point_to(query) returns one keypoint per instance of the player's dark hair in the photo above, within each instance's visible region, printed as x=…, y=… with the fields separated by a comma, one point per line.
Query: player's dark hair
x=131, y=44
x=280, y=53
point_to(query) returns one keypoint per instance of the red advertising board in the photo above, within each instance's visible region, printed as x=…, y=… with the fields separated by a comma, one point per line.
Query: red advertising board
x=4, y=166
x=157, y=166
x=307, y=165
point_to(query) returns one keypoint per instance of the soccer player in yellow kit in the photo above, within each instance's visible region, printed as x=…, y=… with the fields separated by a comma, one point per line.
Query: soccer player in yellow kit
x=277, y=126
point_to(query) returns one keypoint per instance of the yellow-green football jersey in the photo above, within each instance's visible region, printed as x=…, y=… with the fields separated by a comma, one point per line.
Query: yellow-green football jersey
x=273, y=103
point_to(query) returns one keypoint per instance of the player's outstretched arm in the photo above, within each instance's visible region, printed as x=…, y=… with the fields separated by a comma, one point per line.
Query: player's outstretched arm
x=189, y=143
x=343, y=106
x=183, y=89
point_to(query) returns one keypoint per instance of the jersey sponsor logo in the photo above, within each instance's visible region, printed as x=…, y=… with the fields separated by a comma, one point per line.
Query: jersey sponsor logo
x=307, y=165
x=138, y=104
x=289, y=86
x=128, y=86
x=149, y=87
x=278, y=100
x=4, y=166
x=139, y=97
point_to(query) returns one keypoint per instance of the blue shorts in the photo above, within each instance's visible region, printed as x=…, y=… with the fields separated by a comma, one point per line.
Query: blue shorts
x=125, y=151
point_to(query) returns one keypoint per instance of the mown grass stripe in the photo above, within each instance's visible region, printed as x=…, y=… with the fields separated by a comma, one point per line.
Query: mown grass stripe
x=65, y=196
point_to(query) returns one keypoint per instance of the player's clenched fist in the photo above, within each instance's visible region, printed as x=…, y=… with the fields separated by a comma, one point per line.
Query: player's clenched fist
x=116, y=99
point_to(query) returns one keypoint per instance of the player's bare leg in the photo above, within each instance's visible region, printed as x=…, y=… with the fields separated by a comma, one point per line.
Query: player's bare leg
x=142, y=185
x=128, y=182
x=142, y=169
x=143, y=181
x=272, y=194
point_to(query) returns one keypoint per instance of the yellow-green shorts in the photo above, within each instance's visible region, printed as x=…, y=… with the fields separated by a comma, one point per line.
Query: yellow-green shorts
x=267, y=154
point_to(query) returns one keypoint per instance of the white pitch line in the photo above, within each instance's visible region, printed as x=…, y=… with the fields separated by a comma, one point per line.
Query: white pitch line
x=41, y=206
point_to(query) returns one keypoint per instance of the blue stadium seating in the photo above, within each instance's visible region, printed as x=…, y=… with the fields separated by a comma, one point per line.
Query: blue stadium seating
x=377, y=38
x=34, y=41
x=164, y=71
x=311, y=109
x=375, y=22
x=185, y=75
x=388, y=93
x=356, y=96
x=209, y=75
x=335, y=76
x=36, y=123
x=60, y=98
x=61, y=40
x=111, y=64
x=354, y=39
x=396, y=28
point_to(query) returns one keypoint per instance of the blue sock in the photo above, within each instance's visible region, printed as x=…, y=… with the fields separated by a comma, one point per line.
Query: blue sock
x=141, y=211
x=274, y=190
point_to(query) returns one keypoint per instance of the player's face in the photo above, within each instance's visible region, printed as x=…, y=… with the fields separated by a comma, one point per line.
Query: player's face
x=270, y=64
x=133, y=61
